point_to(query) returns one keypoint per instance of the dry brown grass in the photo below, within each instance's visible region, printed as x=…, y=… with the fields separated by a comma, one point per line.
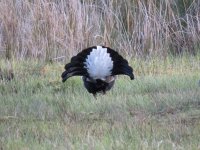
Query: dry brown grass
x=57, y=29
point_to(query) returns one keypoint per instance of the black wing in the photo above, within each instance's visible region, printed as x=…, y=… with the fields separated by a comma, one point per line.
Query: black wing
x=120, y=65
x=76, y=66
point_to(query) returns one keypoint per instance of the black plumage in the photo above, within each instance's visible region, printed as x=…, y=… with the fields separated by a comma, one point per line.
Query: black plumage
x=79, y=66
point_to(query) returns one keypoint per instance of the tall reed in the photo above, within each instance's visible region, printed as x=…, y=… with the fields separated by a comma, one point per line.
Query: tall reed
x=58, y=29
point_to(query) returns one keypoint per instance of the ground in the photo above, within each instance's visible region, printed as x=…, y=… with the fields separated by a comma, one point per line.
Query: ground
x=160, y=109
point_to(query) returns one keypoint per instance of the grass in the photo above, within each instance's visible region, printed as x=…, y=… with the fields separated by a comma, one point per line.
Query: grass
x=58, y=29
x=160, y=109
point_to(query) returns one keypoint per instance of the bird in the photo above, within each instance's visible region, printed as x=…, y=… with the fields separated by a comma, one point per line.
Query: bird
x=98, y=66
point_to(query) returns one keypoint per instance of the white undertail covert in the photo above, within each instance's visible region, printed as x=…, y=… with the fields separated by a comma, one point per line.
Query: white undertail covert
x=99, y=63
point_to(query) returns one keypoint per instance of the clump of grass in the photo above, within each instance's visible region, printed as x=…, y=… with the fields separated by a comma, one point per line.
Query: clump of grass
x=6, y=71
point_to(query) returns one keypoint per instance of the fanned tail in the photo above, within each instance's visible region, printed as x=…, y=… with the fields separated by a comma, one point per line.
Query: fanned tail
x=121, y=66
x=76, y=66
x=73, y=69
x=97, y=62
x=125, y=70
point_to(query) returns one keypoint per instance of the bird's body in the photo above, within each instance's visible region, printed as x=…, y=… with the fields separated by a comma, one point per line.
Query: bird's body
x=99, y=66
x=98, y=85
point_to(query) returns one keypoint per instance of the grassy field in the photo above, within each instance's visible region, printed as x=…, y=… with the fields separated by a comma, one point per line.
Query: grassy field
x=58, y=29
x=160, y=109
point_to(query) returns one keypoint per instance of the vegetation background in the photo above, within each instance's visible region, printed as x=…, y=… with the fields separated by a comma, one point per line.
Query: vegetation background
x=53, y=29
x=160, y=109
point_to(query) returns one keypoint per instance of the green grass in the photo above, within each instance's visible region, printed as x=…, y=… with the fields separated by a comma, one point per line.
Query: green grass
x=160, y=109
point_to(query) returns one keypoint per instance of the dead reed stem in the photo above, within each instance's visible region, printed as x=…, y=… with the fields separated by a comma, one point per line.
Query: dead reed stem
x=48, y=29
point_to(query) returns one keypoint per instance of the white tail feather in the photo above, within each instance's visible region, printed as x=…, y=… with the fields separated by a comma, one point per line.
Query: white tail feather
x=99, y=63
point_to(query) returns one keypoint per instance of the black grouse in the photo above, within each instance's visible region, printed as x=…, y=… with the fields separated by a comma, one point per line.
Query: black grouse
x=98, y=66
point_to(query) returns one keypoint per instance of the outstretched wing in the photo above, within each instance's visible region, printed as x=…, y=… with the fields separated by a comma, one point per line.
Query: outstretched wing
x=120, y=65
